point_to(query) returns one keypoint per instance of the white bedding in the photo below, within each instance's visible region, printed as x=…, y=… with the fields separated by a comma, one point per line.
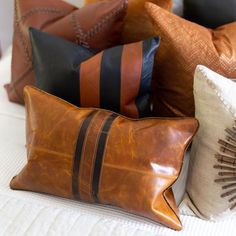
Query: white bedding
x=27, y=213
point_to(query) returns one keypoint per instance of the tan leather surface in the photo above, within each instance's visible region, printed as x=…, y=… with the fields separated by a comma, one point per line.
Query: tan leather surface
x=131, y=74
x=90, y=81
x=140, y=162
x=137, y=22
x=102, y=30
x=185, y=45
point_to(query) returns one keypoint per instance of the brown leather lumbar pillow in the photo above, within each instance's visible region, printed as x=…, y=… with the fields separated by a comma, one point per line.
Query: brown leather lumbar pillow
x=184, y=46
x=100, y=31
x=98, y=156
x=138, y=25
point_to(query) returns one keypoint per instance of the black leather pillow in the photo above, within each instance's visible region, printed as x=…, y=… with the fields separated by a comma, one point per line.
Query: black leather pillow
x=55, y=64
x=117, y=79
x=210, y=13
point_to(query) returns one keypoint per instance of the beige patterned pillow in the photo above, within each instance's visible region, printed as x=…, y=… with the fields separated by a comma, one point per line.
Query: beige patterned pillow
x=211, y=186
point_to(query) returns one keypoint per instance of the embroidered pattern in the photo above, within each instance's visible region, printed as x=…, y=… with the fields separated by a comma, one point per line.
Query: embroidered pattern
x=227, y=166
x=81, y=37
x=24, y=41
x=20, y=19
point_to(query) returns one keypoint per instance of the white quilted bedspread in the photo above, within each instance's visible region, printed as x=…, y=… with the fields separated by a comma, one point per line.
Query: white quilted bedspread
x=27, y=213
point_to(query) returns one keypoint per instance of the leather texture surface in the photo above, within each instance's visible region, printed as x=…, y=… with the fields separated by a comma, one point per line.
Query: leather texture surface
x=210, y=13
x=137, y=24
x=117, y=79
x=184, y=46
x=81, y=219
x=98, y=156
x=59, y=18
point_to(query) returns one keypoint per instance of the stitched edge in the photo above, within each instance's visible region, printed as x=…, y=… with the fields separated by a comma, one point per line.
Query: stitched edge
x=106, y=21
x=33, y=11
x=23, y=40
x=44, y=10
x=79, y=34
x=13, y=84
x=200, y=72
x=99, y=26
x=18, y=30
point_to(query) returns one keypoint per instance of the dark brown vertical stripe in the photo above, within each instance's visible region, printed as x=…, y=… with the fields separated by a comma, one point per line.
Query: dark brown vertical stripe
x=78, y=153
x=90, y=82
x=89, y=155
x=99, y=155
x=131, y=78
x=110, y=79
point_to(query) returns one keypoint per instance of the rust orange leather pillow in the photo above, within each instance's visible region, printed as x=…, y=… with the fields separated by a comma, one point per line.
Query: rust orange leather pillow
x=184, y=46
x=137, y=25
x=100, y=31
x=97, y=156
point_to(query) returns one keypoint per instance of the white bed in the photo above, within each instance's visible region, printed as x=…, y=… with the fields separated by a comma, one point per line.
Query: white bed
x=27, y=213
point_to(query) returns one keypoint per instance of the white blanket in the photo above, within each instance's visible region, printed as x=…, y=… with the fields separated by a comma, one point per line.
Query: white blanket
x=27, y=213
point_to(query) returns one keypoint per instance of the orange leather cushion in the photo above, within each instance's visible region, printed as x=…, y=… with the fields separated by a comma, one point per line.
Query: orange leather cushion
x=185, y=45
x=98, y=156
x=100, y=31
x=137, y=25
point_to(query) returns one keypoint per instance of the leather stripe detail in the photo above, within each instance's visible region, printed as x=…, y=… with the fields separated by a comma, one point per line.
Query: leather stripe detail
x=110, y=79
x=99, y=155
x=78, y=153
x=89, y=155
x=143, y=99
x=130, y=78
x=90, y=82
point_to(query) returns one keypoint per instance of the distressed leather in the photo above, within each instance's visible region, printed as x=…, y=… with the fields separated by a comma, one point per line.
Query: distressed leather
x=117, y=79
x=137, y=23
x=138, y=160
x=185, y=45
x=102, y=30
x=210, y=13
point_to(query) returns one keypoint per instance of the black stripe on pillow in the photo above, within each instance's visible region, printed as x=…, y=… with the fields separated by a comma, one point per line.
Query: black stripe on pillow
x=99, y=155
x=78, y=154
x=110, y=79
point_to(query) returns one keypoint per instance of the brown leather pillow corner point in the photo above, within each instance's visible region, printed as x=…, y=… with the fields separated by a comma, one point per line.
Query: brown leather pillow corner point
x=137, y=25
x=184, y=46
x=101, y=31
x=95, y=155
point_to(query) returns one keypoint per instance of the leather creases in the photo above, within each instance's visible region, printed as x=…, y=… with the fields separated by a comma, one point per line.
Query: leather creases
x=98, y=156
